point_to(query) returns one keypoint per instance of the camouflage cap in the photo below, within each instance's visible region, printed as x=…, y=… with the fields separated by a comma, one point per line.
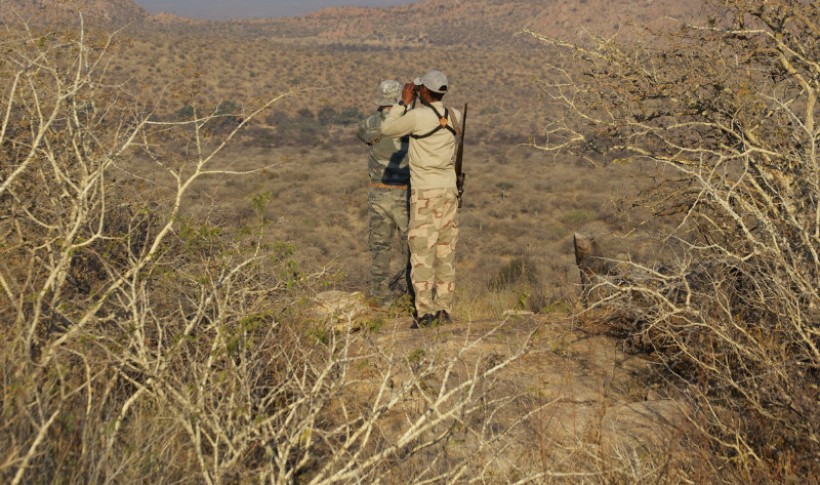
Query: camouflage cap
x=389, y=93
x=435, y=81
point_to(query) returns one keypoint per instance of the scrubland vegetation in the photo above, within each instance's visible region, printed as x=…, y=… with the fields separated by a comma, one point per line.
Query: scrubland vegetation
x=171, y=203
x=730, y=306
x=144, y=342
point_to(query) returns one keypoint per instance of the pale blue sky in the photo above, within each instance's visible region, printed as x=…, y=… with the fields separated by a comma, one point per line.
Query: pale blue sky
x=225, y=9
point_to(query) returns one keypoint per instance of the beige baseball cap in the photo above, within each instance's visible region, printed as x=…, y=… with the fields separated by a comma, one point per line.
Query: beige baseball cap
x=435, y=81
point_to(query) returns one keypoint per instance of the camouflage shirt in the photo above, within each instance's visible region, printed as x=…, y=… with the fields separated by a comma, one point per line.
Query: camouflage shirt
x=388, y=163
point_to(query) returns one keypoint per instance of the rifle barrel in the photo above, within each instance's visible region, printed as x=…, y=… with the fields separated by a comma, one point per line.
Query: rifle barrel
x=460, y=175
x=460, y=147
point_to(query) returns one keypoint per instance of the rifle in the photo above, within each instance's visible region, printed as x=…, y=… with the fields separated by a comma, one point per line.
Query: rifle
x=460, y=176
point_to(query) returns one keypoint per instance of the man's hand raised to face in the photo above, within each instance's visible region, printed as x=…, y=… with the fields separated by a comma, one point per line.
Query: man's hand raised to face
x=408, y=93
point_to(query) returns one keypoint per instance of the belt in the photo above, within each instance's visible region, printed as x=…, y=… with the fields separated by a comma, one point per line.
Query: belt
x=385, y=186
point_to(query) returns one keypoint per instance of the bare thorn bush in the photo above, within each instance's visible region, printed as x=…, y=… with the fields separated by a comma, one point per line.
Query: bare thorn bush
x=143, y=345
x=733, y=304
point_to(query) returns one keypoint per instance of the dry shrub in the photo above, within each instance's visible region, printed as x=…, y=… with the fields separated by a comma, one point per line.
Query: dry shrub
x=521, y=270
x=732, y=307
x=142, y=343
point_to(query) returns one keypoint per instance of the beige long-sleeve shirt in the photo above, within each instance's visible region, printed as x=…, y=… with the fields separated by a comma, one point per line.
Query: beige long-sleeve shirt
x=431, y=158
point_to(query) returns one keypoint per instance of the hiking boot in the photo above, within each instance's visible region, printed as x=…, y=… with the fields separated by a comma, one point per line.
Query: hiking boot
x=425, y=321
x=443, y=317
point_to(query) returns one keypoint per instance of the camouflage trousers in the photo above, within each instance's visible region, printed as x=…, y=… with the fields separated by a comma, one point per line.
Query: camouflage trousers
x=432, y=239
x=388, y=220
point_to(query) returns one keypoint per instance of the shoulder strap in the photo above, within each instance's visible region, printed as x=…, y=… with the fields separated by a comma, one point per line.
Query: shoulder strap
x=442, y=123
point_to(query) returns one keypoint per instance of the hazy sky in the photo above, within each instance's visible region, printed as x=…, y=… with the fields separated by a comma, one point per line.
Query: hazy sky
x=224, y=9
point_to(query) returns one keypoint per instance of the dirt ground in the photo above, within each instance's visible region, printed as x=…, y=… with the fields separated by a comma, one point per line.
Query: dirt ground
x=575, y=404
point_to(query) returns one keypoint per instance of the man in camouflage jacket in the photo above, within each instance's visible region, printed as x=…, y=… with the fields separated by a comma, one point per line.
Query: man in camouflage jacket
x=387, y=198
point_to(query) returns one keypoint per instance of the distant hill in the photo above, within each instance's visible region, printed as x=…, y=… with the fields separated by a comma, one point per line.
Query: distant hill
x=112, y=12
x=426, y=22
x=475, y=22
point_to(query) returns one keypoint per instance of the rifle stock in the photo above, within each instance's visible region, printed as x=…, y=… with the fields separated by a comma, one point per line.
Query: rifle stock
x=460, y=175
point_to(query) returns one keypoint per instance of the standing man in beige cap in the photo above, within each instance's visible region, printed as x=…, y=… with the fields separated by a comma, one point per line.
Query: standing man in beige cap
x=387, y=198
x=433, y=229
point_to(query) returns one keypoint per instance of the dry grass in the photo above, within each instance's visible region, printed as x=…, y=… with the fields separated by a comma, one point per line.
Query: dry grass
x=318, y=205
x=518, y=201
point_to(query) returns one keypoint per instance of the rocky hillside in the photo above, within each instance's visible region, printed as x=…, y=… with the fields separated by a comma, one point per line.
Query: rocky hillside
x=113, y=12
